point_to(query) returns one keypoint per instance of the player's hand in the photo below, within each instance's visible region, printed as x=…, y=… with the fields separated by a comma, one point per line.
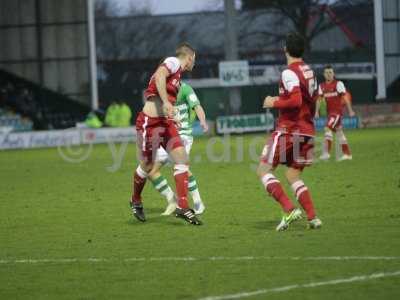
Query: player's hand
x=204, y=125
x=269, y=102
x=176, y=118
x=177, y=122
x=169, y=110
x=352, y=113
x=316, y=116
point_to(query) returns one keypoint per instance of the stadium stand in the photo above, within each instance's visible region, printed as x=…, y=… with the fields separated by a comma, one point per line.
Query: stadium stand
x=15, y=121
x=45, y=108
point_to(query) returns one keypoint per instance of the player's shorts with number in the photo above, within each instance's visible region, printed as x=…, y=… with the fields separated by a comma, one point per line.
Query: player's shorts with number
x=334, y=122
x=162, y=155
x=155, y=132
x=295, y=151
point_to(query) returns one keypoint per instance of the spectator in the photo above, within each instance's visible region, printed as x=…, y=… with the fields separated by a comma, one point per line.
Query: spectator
x=111, y=115
x=124, y=115
x=93, y=120
x=26, y=103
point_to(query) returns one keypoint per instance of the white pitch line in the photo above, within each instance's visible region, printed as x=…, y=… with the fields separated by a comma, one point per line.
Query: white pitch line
x=304, y=286
x=191, y=259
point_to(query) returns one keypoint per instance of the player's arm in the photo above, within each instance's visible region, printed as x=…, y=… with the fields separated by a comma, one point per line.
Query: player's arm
x=202, y=117
x=320, y=98
x=317, y=107
x=345, y=97
x=161, y=83
x=294, y=101
x=292, y=85
x=349, y=107
x=194, y=103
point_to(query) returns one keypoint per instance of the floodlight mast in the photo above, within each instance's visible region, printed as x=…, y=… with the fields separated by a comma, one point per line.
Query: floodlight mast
x=379, y=51
x=92, y=55
x=231, y=51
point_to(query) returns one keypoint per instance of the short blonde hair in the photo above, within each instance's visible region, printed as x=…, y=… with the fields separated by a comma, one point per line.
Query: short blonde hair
x=184, y=49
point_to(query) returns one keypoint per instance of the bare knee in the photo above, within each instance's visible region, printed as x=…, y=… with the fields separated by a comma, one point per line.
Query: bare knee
x=154, y=174
x=155, y=170
x=339, y=133
x=179, y=156
x=146, y=167
x=328, y=132
x=263, y=169
x=292, y=175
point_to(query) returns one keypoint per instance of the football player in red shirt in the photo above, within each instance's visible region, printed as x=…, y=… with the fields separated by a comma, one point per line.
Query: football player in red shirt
x=156, y=126
x=291, y=143
x=334, y=93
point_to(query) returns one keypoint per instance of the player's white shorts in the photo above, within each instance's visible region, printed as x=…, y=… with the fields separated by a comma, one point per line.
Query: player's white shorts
x=162, y=155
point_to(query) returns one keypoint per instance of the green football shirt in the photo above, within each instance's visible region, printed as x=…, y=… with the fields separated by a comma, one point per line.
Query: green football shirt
x=186, y=101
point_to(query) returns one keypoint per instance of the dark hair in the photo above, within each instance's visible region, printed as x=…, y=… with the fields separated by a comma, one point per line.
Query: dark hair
x=184, y=49
x=328, y=67
x=295, y=44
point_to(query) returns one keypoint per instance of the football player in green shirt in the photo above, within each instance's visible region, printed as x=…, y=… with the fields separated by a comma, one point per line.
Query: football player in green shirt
x=188, y=108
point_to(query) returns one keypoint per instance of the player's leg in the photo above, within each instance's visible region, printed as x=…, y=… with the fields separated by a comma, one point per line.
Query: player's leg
x=195, y=194
x=274, y=153
x=303, y=196
x=193, y=187
x=328, y=140
x=139, y=181
x=179, y=157
x=181, y=175
x=342, y=140
x=145, y=157
x=160, y=183
x=275, y=189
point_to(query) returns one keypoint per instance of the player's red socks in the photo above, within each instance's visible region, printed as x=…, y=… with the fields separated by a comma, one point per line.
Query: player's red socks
x=328, y=146
x=304, y=198
x=346, y=149
x=343, y=142
x=328, y=142
x=181, y=175
x=139, y=180
x=274, y=188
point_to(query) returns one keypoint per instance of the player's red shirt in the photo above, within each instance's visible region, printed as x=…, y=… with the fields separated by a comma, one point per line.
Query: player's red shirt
x=298, y=77
x=173, y=80
x=333, y=93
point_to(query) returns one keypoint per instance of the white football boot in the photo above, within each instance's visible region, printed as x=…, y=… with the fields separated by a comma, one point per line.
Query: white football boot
x=345, y=157
x=199, y=208
x=315, y=223
x=325, y=156
x=287, y=219
x=171, y=207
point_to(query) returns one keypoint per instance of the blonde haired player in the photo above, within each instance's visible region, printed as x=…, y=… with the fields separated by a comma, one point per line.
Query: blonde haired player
x=333, y=92
x=156, y=126
x=188, y=108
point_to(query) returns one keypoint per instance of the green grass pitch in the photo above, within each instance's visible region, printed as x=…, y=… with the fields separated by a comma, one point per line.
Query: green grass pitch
x=66, y=231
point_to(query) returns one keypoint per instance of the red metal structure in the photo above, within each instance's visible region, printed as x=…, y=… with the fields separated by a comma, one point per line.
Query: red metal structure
x=350, y=35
